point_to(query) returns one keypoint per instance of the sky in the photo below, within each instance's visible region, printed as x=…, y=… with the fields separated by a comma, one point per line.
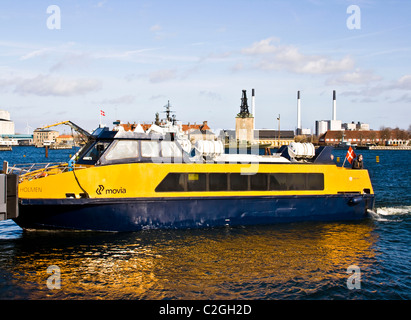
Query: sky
x=69, y=59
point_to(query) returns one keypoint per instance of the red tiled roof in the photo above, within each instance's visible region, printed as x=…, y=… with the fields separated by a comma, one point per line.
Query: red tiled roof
x=65, y=136
x=192, y=127
x=354, y=134
x=133, y=126
x=185, y=127
x=362, y=136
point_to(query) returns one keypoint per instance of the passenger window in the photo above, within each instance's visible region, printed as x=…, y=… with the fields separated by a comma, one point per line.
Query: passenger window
x=123, y=149
x=259, y=181
x=296, y=181
x=217, y=181
x=278, y=181
x=150, y=149
x=172, y=182
x=96, y=151
x=315, y=181
x=238, y=182
x=196, y=182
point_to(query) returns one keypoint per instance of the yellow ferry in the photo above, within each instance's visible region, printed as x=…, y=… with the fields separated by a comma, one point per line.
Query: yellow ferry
x=127, y=181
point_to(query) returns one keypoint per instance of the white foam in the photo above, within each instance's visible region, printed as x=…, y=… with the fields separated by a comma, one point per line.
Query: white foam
x=384, y=213
x=375, y=216
x=394, y=211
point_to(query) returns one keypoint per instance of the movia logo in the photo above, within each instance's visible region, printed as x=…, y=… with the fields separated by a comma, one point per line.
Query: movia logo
x=101, y=188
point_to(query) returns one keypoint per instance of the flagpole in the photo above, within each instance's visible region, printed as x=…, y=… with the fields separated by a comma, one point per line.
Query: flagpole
x=100, y=120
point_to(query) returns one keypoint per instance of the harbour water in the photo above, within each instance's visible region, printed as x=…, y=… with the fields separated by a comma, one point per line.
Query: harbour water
x=285, y=261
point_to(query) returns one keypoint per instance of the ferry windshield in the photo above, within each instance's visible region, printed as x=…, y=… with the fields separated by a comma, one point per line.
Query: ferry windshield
x=94, y=152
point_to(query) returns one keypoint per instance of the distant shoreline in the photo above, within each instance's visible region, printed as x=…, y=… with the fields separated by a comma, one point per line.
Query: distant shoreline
x=390, y=148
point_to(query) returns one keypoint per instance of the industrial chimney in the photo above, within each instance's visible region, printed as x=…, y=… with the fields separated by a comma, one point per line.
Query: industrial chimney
x=334, y=106
x=299, y=127
x=253, y=104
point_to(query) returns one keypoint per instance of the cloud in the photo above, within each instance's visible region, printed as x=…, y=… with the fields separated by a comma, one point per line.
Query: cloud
x=275, y=56
x=217, y=56
x=121, y=55
x=71, y=60
x=404, y=98
x=68, y=54
x=126, y=99
x=158, y=96
x=46, y=85
x=321, y=65
x=131, y=76
x=47, y=51
x=100, y=4
x=210, y=95
x=237, y=67
x=162, y=75
x=155, y=28
x=36, y=53
x=356, y=77
x=262, y=47
x=403, y=83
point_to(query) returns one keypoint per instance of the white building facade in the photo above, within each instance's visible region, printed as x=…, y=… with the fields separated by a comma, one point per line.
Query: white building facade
x=6, y=125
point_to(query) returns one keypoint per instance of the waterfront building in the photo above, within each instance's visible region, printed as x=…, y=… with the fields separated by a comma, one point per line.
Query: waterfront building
x=273, y=137
x=363, y=126
x=244, y=123
x=43, y=137
x=349, y=126
x=362, y=137
x=65, y=139
x=321, y=127
x=6, y=125
x=186, y=128
x=334, y=125
x=204, y=134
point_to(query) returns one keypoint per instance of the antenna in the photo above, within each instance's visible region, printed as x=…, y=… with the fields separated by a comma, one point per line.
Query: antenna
x=168, y=111
x=299, y=126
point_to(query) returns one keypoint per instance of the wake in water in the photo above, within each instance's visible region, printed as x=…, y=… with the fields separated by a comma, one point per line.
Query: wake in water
x=389, y=213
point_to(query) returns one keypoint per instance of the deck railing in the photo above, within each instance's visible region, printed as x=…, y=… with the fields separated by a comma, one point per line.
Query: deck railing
x=28, y=171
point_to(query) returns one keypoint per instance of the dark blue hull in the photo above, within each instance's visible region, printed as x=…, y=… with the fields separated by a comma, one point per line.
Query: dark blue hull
x=133, y=214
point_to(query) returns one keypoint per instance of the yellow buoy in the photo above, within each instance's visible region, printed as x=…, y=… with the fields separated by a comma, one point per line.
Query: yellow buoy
x=338, y=159
x=377, y=159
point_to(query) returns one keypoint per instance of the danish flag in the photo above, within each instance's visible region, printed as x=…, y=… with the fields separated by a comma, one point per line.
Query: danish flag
x=350, y=155
x=102, y=113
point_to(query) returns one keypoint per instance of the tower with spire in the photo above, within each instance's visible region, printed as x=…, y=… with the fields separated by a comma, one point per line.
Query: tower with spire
x=244, y=122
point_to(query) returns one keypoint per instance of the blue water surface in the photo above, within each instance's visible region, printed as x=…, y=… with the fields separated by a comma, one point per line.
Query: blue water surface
x=286, y=261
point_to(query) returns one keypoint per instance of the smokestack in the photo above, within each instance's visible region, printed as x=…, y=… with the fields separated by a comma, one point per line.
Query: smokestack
x=299, y=127
x=334, y=106
x=253, y=104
